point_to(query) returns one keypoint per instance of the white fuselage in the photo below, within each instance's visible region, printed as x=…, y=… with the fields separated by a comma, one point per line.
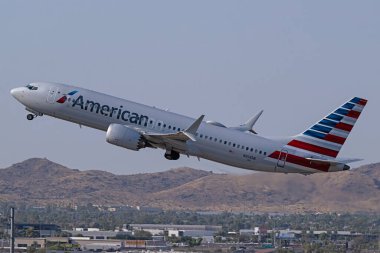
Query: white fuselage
x=97, y=110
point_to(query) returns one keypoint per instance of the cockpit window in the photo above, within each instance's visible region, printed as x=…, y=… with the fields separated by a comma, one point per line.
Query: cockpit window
x=31, y=87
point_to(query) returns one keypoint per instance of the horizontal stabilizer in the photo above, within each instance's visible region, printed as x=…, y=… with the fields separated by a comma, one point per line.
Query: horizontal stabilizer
x=334, y=162
x=326, y=162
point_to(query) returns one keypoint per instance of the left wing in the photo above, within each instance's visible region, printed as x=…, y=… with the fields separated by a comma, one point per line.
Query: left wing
x=187, y=134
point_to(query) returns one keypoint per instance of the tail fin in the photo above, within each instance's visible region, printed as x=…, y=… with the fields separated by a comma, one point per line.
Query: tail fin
x=327, y=136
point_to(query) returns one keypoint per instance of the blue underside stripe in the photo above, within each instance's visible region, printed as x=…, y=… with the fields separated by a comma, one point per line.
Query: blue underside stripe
x=355, y=100
x=335, y=117
x=348, y=106
x=314, y=134
x=321, y=128
x=342, y=111
x=327, y=122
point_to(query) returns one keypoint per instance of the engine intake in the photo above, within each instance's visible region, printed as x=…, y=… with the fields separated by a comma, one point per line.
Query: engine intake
x=125, y=137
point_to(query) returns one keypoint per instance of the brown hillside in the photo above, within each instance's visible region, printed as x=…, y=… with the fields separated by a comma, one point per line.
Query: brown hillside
x=42, y=181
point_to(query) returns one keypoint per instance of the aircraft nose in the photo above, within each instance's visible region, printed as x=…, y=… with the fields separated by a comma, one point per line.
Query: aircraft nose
x=13, y=92
x=17, y=92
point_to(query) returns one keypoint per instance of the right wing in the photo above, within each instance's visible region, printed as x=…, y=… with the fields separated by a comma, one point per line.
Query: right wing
x=248, y=126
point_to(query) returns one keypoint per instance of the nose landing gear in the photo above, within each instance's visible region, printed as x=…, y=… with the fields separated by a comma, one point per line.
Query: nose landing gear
x=33, y=114
x=30, y=116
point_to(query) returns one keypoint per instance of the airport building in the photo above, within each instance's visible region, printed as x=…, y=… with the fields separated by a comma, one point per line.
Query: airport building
x=35, y=230
x=178, y=230
x=96, y=234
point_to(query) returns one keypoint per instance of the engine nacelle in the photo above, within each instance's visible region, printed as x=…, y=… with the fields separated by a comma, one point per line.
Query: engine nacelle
x=125, y=137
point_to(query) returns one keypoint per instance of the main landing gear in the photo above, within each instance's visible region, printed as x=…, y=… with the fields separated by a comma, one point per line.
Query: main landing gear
x=171, y=155
x=30, y=116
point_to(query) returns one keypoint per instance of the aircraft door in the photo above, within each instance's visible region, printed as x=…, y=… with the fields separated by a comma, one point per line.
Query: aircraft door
x=52, y=94
x=282, y=158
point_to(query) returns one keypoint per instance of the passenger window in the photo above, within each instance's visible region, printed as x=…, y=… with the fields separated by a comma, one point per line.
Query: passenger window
x=164, y=125
x=255, y=150
x=265, y=153
x=251, y=149
x=210, y=138
x=206, y=137
x=260, y=152
x=242, y=147
x=220, y=141
x=247, y=148
x=225, y=142
x=215, y=139
x=201, y=135
x=229, y=144
x=233, y=145
x=170, y=127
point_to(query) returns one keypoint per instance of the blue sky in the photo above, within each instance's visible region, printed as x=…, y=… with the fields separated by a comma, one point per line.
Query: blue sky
x=297, y=60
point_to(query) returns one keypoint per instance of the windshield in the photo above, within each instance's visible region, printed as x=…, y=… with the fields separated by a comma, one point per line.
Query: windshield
x=31, y=87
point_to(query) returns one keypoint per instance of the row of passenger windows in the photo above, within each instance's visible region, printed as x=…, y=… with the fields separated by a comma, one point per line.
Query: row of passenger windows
x=169, y=127
x=238, y=146
x=231, y=144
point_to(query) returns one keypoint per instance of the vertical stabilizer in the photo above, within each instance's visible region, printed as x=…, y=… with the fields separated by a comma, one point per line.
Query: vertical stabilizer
x=327, y=136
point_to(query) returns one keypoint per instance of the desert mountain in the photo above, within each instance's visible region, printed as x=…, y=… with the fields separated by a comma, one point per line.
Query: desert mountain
x=40, y=181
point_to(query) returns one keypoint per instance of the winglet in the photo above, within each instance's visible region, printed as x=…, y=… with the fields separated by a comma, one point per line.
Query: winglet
x=191, y=130
x=247, y=126
x=194, y=127
x=252, y=121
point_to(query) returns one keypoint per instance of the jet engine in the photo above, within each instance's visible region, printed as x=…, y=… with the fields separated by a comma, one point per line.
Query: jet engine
x=125, y=137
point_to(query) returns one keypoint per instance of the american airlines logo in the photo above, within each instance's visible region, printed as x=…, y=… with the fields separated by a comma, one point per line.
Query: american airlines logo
x=64, y=97
x=110, y=111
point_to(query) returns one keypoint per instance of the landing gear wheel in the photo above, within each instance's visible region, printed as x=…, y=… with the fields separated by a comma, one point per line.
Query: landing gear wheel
x=171, y=155
x=30, y=116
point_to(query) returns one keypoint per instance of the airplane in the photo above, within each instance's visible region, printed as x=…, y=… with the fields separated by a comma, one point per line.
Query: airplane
x=136, y=126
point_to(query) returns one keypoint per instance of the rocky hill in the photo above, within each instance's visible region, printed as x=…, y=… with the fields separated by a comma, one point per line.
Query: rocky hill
x=40, y=181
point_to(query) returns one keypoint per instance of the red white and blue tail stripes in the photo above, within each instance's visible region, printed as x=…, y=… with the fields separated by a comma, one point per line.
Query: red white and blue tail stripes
x=325, y=138
x=328, y=135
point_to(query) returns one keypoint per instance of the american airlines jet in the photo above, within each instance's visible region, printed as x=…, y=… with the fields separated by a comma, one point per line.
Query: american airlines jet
x=136, y=126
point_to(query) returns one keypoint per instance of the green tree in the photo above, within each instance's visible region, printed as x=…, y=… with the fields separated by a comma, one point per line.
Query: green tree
x=29, y=232
x=142, y=235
